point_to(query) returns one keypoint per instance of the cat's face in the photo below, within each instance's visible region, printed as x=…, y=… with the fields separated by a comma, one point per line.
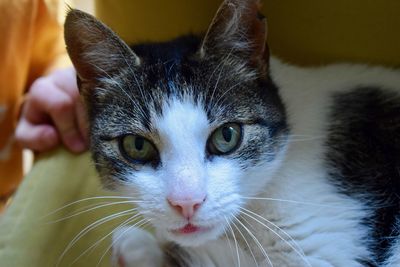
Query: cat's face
x=190, y=127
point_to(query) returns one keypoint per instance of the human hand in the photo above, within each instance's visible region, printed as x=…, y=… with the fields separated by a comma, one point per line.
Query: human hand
x=53, y=113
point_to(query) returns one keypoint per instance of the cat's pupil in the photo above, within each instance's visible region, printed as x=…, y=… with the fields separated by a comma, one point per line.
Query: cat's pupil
x=227, y=133
x=139, y=143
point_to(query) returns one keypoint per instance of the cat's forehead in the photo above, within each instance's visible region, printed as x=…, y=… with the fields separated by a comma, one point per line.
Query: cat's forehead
x=182, y=121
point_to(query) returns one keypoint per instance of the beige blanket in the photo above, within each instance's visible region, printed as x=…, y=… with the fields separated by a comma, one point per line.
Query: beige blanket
x=31, y=236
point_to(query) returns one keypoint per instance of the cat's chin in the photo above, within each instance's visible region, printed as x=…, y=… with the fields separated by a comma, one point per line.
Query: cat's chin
x=193, y=236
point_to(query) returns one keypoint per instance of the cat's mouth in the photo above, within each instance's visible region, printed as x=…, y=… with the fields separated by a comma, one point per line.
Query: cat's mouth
x=190, y=229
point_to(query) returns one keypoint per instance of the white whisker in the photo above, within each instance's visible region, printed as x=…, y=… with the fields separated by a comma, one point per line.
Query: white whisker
x=86, y=199
x=89, y=228
x=91, y=209
x=257, y=242
x=294, y=202
x=92, y=247
x=228, y=240
x=120, y=235
x=299, y=251
x=247, y=243
x=236, y=243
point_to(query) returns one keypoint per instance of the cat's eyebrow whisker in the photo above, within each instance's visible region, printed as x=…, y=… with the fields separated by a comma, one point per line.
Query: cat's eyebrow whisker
x=247, y=243
x=215, y=86
x=219, y=77
x=91, y=209
x=139, y=224
x=91, y=227
x=134, y=75
x=236, y=243
x=122, y=89
x=299, y=251
x=265, y=254
x=227, y=91
x=87, y=199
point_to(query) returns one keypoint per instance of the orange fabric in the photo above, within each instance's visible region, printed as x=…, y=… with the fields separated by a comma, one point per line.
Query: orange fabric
x=30, y=43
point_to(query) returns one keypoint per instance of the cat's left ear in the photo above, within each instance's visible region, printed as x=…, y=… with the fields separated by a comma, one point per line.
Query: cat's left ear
x=95, y=50
x=238, y=29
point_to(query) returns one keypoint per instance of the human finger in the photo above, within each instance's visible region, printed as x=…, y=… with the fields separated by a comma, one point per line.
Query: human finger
x=37, y=137
x=60, y=107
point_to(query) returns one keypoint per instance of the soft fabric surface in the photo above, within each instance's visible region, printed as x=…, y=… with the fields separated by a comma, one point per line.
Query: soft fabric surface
x=30, y=239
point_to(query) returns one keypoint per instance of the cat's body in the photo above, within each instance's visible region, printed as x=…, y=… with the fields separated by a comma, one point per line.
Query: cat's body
x=312, y=178
x=336, y=119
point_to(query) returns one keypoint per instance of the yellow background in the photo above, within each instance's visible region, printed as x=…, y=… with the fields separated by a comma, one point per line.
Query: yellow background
x=300, y=31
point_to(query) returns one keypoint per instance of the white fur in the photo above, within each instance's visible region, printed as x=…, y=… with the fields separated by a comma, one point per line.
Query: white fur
x=323, y=224
x=183, y=131
x=140, y=251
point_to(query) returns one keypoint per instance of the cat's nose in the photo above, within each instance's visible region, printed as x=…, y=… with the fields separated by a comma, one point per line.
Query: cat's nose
x=186, y=207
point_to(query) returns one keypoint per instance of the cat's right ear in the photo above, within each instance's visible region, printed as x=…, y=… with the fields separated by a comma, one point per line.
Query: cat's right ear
x=95, y=50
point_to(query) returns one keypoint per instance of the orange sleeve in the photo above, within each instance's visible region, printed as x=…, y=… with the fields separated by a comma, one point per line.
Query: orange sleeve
x=30, y=44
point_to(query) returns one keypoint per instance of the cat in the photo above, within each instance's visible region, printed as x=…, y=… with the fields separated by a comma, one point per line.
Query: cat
x=237, y=158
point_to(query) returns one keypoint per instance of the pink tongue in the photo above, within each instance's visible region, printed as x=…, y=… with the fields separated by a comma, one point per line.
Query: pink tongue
x=188, y=229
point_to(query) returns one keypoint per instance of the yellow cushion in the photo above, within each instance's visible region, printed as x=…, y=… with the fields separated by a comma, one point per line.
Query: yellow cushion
x=30, y=238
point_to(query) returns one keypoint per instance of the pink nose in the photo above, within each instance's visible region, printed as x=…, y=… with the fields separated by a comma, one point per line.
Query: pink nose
x=186, y=207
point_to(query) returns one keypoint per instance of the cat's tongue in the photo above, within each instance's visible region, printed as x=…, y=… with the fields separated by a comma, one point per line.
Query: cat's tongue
x=189, y=229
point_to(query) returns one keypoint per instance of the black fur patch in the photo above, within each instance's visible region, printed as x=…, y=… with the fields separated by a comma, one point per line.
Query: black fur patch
x=364, y=151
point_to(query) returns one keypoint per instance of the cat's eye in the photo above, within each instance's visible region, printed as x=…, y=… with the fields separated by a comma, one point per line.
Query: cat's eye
x=137, y=149
x=225, y=139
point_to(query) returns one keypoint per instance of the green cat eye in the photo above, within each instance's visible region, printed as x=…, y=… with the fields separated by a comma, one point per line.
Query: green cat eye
x=137, y=148
x=225, y=139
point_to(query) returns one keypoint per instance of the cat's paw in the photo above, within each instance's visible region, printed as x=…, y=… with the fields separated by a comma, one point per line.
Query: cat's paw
x=133, y=247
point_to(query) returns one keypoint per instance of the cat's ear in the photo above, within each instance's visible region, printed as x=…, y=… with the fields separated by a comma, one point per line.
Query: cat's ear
x=95, y=50
x=238, y=29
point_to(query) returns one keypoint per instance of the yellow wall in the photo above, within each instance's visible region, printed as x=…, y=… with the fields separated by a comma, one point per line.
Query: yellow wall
x=301, y=31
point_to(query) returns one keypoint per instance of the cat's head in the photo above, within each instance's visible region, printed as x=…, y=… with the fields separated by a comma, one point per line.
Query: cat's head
x=190, y=127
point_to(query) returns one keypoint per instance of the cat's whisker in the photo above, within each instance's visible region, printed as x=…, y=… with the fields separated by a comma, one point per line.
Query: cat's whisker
x=265, y=254
x=91, y=209
x=93, y=246
x=247, y=243
x=299, y=251
x=228, y=240
x=244, y=219
x=91, y=227
x=78, y=209
x=295, y=202
x=292, y=140
x=236, y=243
x=86, y=199
x=146, y=221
